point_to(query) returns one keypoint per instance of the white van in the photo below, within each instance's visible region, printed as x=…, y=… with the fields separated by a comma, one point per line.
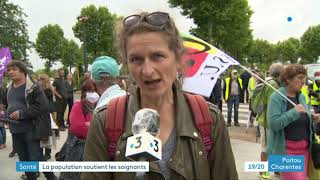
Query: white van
x=311, y=69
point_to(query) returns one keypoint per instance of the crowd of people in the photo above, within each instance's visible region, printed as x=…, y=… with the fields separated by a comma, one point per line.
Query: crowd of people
x=286, y=123
x=151, y=48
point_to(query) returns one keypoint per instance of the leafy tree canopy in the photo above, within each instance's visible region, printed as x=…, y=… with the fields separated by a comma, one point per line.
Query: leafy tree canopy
x=13, y=30
x=95, y=27
x=49, y=44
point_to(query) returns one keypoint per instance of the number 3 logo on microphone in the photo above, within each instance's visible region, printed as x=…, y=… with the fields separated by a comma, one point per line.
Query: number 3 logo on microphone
x=156, y=149
x=143, y=144
x=138, y=141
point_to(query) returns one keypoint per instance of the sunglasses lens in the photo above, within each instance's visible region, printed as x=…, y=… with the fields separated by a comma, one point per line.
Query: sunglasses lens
x=131, y=20
x=158, y=18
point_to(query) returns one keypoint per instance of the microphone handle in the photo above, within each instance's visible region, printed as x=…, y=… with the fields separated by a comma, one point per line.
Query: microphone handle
x=141, y=175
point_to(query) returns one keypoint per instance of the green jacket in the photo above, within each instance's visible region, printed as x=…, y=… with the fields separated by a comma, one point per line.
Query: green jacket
x=188, y=160
x=279, y=118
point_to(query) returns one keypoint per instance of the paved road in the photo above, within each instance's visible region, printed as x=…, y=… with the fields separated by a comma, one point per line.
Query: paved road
x=243, y=112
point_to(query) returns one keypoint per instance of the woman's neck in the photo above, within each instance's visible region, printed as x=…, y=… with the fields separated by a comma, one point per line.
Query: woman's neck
x=291, y=93
x=158, y=104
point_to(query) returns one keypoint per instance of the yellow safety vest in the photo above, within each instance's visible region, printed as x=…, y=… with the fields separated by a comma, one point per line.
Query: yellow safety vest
x=227, y=87
x=305, y=92
x=251, y=84
x=314, y=101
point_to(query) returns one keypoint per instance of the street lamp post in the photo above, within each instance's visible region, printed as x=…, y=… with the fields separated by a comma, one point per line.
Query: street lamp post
x=83, y=19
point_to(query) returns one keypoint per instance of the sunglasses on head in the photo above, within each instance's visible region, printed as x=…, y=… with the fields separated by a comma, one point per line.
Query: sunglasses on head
x=155, y=19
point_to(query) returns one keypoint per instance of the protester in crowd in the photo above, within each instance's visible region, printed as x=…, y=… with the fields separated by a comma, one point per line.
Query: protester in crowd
x=251, y=84
x=27, y=104
x=3, y=135
x=250, y=88
x=3, y=101
x=83, y=109
x=215, y=96
x=61, y=97
x=221, y=92
x=105, y=71
x=80, y=118
x=274, y=80
x=314, y=90
x=305, y=92
x=70, y=90
x=122, y=83
x=267, y=75
x=150, y=45
x=48, y=89
x=232, y=89
x=54, y=122
x=290, y=126
x=245, y=76
x=86, y=76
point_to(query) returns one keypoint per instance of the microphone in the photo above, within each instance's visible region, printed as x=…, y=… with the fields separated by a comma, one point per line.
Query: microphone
x=146, y=120
x=144, y=145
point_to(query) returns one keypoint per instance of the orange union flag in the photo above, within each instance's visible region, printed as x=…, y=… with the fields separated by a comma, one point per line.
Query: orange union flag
x=203, y=65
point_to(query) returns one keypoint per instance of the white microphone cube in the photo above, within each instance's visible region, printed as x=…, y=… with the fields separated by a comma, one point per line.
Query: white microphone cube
x=144, y=146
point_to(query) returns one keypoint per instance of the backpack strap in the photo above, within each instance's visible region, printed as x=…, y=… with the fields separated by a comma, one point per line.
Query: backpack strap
x=114, y=125
x=202, y=119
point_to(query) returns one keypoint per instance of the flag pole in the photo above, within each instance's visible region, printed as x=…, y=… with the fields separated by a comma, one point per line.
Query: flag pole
x=285, y=97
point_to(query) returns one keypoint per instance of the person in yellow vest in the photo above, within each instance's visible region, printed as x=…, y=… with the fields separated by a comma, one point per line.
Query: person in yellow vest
x=232, y=90
x=305, y=92
x=314, y=91
x=251, y=85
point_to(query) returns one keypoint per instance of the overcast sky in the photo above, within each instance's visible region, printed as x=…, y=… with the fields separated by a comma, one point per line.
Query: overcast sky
x=268, y=22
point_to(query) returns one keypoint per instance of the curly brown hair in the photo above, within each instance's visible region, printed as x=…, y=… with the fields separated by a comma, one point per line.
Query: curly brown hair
x=291, y=71
x=20, y=65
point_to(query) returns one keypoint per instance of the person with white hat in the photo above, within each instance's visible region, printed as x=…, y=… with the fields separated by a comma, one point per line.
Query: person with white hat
x=232, y=90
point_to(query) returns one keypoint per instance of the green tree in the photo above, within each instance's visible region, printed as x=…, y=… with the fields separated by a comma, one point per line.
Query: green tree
x=288, y=50
x=95, y=28
x=310, y=45
x=13, y=30
x=225, y=24
x=71, y=54
x=261, y=54
x=49, y=44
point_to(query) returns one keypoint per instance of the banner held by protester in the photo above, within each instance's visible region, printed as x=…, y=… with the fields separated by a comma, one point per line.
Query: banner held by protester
x=203, y=65
x=5, y=58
